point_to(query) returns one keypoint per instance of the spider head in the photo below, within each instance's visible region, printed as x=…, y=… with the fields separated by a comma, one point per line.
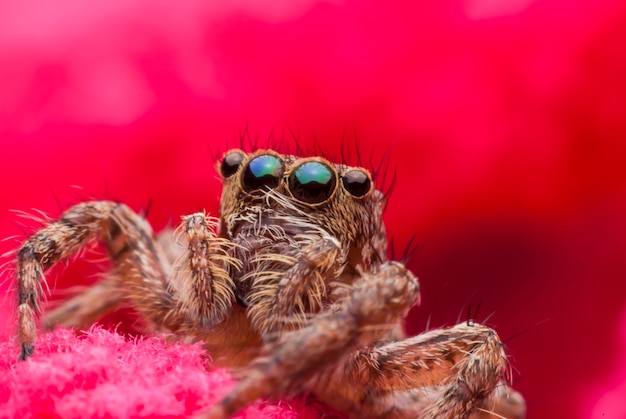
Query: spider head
x=266, y=193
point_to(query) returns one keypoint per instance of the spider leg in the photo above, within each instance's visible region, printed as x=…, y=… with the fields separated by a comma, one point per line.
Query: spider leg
x=370, y=311
x=443, y=373
x=130, y=243
x=202, y=274
x=289, y=283
x=504, y=402
x=87, y=307
x=105, y=296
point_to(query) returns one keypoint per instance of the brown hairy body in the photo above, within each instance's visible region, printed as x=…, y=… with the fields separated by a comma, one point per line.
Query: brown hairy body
x=291, y=286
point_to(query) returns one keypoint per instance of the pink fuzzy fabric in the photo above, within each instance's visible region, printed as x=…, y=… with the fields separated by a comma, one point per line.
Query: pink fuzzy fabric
x=102, y=374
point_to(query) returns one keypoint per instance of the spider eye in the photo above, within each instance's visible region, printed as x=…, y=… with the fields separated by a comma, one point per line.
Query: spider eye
x=230, y=164
x=357, y=183
x=312, y=182
x=264, y=170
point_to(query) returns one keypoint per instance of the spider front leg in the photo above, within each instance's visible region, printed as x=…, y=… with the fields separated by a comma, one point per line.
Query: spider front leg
x=201, y=274
x=294, y=361
x=141, y=275
x=289, y=283
x=87, y=307
x=94, y=302
x=445, y=373
x=130, y=244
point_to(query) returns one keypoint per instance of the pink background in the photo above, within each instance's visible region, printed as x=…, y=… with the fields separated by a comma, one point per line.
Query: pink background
x=507, y=119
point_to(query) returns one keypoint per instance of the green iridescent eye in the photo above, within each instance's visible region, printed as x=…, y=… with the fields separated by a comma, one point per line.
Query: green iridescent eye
x=263, y=171
x=312, y=182
x=313, y=172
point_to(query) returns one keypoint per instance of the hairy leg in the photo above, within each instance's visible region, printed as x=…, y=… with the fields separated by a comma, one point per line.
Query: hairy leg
x=290, y=283
x=87, y=307
x=140, y=270
x=202, y=273
x=370, y=311
x=504, y=402
x=94, y=302
x=444, y=373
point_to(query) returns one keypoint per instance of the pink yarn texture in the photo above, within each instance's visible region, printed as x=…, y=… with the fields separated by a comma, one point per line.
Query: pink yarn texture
x=102, y=374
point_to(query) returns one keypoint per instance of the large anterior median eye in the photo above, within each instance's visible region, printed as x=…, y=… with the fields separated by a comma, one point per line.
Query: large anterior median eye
x=357, y=183
x=263, y=171
x=230, y=164
x=312, y=182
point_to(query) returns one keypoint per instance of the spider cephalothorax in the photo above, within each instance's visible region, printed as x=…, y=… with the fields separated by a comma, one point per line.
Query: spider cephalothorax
x=283, y=213
x=291, y=285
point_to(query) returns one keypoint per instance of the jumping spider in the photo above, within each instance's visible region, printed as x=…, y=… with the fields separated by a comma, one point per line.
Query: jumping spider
x=291, y=286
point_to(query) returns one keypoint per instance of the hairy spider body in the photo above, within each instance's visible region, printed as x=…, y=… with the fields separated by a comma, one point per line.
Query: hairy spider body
x=291, y=286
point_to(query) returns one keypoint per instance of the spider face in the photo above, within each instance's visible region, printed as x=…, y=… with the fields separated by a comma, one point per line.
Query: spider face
x=274, y=206
x=300, y=196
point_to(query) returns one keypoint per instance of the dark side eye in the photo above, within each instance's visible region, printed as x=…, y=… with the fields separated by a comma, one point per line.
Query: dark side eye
x=263, y=171
x=231, y=163
x=312, y=182
x=357, y=183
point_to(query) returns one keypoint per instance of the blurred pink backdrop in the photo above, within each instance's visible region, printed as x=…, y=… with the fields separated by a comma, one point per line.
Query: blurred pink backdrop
x=506, y=122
